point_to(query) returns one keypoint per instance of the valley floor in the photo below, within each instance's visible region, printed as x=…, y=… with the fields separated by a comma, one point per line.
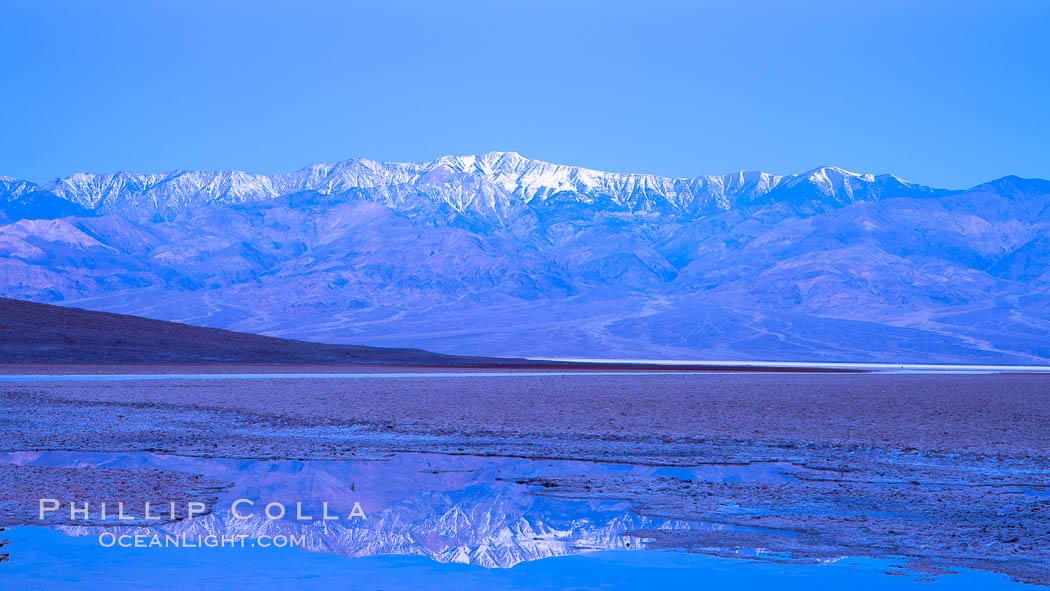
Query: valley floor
x=944, y=471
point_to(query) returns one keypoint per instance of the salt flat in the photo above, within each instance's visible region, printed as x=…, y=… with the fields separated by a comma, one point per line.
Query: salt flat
x=944, y=470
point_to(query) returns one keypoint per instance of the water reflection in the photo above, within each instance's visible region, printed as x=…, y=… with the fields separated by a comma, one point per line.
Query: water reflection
x=430, y=521
x=490, y=512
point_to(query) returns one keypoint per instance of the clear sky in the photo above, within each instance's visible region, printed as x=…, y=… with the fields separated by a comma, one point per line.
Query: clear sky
x=946, y=93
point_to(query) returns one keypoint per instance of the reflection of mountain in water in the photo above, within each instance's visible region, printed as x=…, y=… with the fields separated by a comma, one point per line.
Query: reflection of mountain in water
x=493, y=533
x=480, y=511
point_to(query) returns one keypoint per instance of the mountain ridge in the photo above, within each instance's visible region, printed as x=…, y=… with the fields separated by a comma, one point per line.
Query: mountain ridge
x=499, y=179
x=501, y=255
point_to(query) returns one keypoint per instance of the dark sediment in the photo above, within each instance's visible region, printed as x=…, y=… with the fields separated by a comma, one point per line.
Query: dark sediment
x=60, y=339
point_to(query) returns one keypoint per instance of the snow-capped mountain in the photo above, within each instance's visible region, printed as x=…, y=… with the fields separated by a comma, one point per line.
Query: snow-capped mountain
x=493, y=183
x=500, y=254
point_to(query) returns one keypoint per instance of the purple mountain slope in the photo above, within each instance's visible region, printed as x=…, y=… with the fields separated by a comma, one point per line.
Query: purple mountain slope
x=499, y=254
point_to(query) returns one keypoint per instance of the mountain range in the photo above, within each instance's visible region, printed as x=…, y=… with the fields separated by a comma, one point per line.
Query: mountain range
x=498, y=254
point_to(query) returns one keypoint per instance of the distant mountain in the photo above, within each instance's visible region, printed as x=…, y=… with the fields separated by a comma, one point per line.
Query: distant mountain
x=500, y=254
x=492, y=185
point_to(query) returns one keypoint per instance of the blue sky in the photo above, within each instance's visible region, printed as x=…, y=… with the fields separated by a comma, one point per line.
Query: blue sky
x=944, y=93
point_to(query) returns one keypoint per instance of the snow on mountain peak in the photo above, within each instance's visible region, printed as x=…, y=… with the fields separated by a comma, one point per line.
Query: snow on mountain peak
x=489, y=182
